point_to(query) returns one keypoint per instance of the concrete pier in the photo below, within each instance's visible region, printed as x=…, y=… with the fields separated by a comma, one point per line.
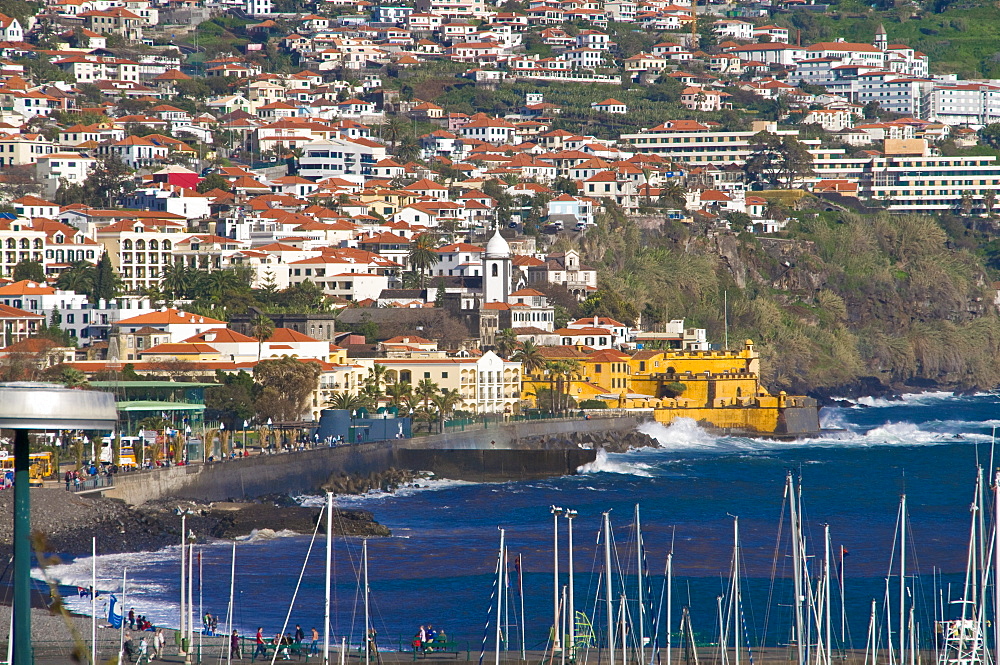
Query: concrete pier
x=523, y=450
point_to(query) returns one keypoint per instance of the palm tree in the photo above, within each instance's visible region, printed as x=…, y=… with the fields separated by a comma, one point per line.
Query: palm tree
x=398, y=392
x=375, y=380
x=446, y=401
x=177, y=279
x=530, y=357
x=425, y=390
x=563, y=372
x=506, y=343
x=395, y=129
x=422, y=255
x=262, y=329
x=78, y=277
x=408, y=149
x=346, y=402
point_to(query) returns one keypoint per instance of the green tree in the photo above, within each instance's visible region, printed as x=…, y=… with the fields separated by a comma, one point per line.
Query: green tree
x=506, y=342
x=346, y=402
x=79, y=277
x=30, y=270
x=425, y=390
x=376, y=381
x=445, y=402
x=261, y=329
x=232, y=400
x=530, y=357
x=399, y=392
x=284, y=388
x=776, y=161
x=106, y=281
x=422, y=256
x=214, y=181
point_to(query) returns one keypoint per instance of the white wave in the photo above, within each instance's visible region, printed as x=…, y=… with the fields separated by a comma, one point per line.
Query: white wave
x=605, y=464
x=681, y=434
x=146, y=596
x=410, y=489
x=833, y=418
x=901, y=400
x=263, y=535
x=684, y=436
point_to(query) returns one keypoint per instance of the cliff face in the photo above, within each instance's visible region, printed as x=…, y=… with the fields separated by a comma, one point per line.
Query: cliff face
x=839, y=304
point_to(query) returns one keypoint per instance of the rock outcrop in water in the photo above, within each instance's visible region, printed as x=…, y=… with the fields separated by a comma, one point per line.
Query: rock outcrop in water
x=65, y=522
x=611, y=441
x=387, y=481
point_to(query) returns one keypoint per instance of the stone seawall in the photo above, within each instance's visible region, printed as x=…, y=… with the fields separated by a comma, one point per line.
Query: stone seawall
x=511, y=452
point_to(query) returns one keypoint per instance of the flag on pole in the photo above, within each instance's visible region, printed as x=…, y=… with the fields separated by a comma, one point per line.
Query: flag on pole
x=114, y=619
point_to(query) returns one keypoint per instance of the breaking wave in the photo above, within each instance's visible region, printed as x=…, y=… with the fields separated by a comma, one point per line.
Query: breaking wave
x=605, y=464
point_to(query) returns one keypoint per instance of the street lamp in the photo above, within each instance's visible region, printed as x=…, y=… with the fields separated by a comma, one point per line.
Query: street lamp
x=26, y=406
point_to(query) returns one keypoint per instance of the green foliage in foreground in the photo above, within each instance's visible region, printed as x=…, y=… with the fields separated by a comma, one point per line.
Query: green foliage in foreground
x=887, y=299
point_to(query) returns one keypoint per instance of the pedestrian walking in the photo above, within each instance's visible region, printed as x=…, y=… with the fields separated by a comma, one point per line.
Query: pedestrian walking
x=234, y=646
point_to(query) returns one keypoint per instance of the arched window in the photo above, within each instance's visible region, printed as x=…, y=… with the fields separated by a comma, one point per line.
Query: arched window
x=37, y=244
x=127, y=244
x=166, y=244
x=153, y=244
x=496, y=270
x=140, y=244
x=11, y=244
x=24, y=243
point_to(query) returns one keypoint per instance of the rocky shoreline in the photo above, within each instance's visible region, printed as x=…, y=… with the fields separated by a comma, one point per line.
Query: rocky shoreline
x=64, y=523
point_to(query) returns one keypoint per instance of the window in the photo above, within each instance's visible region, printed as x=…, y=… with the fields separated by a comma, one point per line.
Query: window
x=597, y=369
x=444, y=375
x=427, y=375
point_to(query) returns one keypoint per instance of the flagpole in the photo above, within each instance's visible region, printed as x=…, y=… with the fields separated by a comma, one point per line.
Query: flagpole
x=843, y=610
x=520, y=592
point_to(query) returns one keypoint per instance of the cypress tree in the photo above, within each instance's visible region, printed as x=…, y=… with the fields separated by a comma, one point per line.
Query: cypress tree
x=105, y=282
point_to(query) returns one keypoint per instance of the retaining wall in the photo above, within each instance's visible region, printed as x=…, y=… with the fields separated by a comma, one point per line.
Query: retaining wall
x=510, y=452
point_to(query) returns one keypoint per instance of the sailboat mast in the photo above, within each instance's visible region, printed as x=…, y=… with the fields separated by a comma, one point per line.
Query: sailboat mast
x=368, y=629
x=638, y=577
x=232, y=591
x=121, y=613
x=93, y=602
x=571, y=610
x=500, y=597
x=826, y=598
x=670, y=601
x=796, y=568
x=556, y=641
x=329, y=568
x=607, y=583
x=996, y=564
x=870, y=646
x=736, y=590
x=902, y=579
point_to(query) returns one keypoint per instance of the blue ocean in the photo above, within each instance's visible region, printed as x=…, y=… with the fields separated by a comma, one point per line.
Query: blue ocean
x=439, y=566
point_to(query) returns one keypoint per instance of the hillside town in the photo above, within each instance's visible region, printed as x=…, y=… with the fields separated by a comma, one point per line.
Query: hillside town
x=384, y=192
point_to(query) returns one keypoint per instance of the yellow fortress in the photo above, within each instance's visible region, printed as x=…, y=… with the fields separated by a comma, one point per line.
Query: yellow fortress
x=718, y=389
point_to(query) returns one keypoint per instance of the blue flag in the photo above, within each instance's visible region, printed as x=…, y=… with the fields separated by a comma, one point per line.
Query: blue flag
x=114, y=619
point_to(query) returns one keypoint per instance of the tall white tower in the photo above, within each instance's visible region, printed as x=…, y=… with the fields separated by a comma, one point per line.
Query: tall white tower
x=498, y=268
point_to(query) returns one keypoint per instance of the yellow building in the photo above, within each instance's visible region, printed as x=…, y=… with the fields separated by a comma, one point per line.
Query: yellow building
x=720, y=389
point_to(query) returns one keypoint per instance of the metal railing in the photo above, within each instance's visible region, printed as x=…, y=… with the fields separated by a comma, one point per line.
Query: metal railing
x=91, y=483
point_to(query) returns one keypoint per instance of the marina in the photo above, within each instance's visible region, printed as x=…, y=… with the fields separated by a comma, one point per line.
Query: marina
x=440, y=565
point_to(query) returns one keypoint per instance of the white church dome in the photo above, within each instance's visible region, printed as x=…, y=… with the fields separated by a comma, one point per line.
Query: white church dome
x=497, y=247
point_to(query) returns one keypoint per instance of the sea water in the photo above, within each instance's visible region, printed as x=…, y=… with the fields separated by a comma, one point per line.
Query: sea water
x=439, y=566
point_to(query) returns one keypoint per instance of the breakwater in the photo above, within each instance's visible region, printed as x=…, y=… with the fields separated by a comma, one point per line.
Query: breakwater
x=519, y=451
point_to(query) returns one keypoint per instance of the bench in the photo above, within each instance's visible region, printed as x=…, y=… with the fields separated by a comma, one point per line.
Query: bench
x=436, y=647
